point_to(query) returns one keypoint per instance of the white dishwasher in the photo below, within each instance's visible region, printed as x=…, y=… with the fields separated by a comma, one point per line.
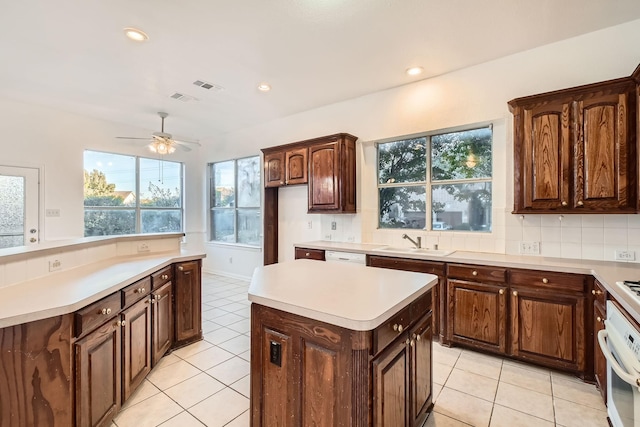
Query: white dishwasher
x=335, y=256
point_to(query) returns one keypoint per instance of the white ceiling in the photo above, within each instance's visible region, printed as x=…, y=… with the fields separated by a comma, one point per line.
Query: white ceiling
x=73, y=55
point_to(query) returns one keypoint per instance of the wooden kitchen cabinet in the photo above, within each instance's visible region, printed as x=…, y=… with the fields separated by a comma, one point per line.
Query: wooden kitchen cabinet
x=390, y=386
x=304, y=253
x=285, y=167
x=574, y=150
x=477, y=307
x=188, y=309
x=162, y=317
x=599, y=316
x=274, y=169
x=420, y=371
x=136, y=357
x=548, y=319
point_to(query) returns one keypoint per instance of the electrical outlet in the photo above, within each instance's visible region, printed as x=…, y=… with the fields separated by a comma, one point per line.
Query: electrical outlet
x=530, y=248
x=143, y=247
x=351, y=239
x=55, y=265
x=625, y=255
x=327, y=237
x=52, y=212
x=333, y=225
x=310, y=225
x=230, y=260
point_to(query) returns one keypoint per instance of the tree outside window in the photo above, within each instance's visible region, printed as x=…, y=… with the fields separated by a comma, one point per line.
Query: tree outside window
x=449, y=172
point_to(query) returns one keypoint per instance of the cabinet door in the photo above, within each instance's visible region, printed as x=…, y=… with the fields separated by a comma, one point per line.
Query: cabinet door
x=137, y=345
x=542, y=149
x=390, y=386
x=602, y=164
x=548, y=328
x=324, y=184
x=162, y=317
x=274, y=169
x=188, y=315
x=296, y=166
x=599, y=362
x=477, y=314
x=421, y=375
x=98, y=378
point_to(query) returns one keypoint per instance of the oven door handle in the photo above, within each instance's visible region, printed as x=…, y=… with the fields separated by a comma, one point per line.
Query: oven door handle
x=622, y=373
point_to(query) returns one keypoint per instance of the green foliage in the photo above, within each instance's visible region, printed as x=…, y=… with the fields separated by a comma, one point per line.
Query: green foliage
x=162, y=197
x=95, y=184
x=461, y=155
x=402, y=161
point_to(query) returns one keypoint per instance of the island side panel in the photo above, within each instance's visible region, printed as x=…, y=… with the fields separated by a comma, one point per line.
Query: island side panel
x=303, y=371
x=36, y=375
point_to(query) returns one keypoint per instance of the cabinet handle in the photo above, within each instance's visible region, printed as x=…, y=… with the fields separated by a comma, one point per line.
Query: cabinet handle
x=418, y=337
x=398, y=328
x=180, y=268
x=515, y=293
x=140, y=290
x=158, y=297
x=281, y=182
x=407, y=341
x=307, y=254
x=564, y=203
x=545, y=280
x=106, y=311
x=580, y=203
x=411, y=343
x=475, y=273
x=164, y=277
x=596, y=292
x=121, y=323
x=599, y=319
x=501, y=291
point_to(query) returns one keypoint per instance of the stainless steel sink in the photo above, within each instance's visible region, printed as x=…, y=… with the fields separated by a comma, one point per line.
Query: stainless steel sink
x=415, y=251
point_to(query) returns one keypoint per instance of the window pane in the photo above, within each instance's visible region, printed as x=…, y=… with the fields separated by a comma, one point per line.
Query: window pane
x=249, y=226
x=402, y=161
x=109, y=222
x=11, y=211
x=249, y=182
x=161, y=221
x=224, y=184
x=109, y=180
x=460, y=155
x=402, y=207
x=160, y=183
x=223, y=225
x=462, y=207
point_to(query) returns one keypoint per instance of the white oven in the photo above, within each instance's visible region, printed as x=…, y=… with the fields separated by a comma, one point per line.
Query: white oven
x=620, y=344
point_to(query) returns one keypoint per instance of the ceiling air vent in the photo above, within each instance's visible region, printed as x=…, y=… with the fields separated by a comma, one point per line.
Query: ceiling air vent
x=208, y=86
x=182, y=97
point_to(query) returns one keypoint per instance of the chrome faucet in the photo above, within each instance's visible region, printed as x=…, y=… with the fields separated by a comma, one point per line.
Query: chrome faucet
x=417, y=243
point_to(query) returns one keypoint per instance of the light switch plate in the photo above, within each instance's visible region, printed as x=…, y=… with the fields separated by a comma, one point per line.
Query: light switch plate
x=625, y=255
x=530, y=248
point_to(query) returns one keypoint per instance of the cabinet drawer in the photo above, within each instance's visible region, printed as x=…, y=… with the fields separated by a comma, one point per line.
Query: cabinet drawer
x=599, y=293
x=161, y=277
x=136, y=291
x=391, y=329
x=317, y=254
x=97, y=313
x=421, y=306
x=567, y=282
x=477, y=273
x=404, y=264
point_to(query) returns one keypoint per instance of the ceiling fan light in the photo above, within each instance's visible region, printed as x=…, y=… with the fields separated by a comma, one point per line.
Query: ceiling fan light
x=136, y=35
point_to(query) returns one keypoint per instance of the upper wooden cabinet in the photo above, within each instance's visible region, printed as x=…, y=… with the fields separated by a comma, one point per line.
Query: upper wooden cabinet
x=574, y=149
x=287, y=167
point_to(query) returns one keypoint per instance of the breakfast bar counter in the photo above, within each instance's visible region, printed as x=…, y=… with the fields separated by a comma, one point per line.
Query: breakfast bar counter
x=345, y=345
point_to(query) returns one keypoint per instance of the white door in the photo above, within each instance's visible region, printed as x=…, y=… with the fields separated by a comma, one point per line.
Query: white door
x=19, y=196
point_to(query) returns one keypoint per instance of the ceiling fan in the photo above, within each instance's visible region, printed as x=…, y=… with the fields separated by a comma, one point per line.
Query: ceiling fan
x=162, y=142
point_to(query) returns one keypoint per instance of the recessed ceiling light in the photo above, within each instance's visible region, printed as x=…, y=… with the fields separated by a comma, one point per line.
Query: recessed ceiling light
x=414, y=71
x=264, y=87
x=135, y=34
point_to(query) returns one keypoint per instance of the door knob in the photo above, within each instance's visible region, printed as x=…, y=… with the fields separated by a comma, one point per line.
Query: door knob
x=33, y=240
x=33, y=231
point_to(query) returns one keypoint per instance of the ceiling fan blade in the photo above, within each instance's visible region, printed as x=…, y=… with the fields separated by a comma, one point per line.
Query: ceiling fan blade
x=186, y=141
x=132, y=137
x=182, y=146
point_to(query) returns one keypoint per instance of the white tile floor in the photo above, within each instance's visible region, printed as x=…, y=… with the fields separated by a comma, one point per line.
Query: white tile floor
x=207, y=383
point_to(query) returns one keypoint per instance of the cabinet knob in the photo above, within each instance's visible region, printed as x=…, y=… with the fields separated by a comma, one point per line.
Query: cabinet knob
x=180, y=268
x=140, y=290
x=281, y=182
x=580, y=203
x=411, y=343
x=515, y=293
x=596, y=292
x=121, y=323
x=501, y=291
x=545, y=280
x=158, y=297
x=418, y=337
x=397, y=327
x=164, y=277
x=407, y=341
x=599, y=319
x=475, y=273
x=563, y=203
x=106, y=311
x=307, y=254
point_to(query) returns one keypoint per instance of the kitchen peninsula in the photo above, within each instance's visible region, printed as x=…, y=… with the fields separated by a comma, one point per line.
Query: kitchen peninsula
x=346, y=345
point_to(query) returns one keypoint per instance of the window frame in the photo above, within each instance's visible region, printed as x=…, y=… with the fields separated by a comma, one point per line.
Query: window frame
x=138, y=208
x=428, y=183
x=235, y=208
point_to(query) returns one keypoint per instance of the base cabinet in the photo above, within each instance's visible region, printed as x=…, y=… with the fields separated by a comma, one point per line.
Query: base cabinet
x=162, y=317
x=136, y=322
x=188, y=309
x=390, y=380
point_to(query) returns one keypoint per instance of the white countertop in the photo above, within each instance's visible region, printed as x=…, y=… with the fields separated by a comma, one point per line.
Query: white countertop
x=70, y=290
x=351, y=296
x=608, y=273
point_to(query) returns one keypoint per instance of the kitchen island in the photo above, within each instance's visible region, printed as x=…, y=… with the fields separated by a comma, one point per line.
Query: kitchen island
x=340, y=345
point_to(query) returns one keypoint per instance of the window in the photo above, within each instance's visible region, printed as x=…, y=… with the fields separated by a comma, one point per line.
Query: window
x=127, y=195
x=235, y=201
x=448, y=172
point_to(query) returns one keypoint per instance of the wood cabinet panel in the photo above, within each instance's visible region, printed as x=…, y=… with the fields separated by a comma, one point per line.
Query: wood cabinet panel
x=97, y=313
x=421, y=371
x=277, y=406
x=274, y=169
x=161, y=277
x=162, y=317
x=136, y=291
x=548, y=328
x=324, y=165
x=550, y=281
x=477, y=273
x=296, y=166
x=320, y=385
x=137, y=345
x=188, y=310
x=599, y=361
x=98, y=376
x=390, y=381
x=37, y=391
x=304, y=253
